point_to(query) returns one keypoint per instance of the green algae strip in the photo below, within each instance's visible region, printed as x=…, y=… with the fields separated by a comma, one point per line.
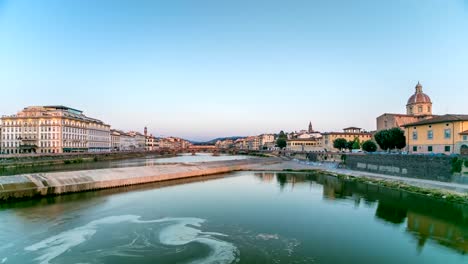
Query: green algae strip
x=446, y=195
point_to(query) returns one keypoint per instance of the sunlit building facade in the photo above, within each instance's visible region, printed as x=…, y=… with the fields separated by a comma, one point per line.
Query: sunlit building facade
x=53, y=129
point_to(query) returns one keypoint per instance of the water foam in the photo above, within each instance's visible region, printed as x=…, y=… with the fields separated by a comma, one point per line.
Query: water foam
x=181, y=232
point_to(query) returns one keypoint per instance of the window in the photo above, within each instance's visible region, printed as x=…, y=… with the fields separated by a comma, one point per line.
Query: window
x=447, y=133
x=447, y=148
x=415, y=135
x=430, y=134
x=415, y=148
x=465, y=137
x=429, y=148
x=420, y=109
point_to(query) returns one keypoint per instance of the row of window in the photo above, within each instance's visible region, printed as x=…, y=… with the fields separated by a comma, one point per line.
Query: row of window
x=420, y=109
x=430, y=148
x=430, y=134
x=49, y=122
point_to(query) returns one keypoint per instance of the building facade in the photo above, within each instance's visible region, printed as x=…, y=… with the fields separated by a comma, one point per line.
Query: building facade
x=447, y=134
x=115, y=140
x=350, y=133
x=152, y=143
x=418, y=107
x=53, y=129
x=304, y=144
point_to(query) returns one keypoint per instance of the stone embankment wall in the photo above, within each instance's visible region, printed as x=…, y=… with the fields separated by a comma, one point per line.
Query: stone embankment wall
x=41, y=184
x=413, y=166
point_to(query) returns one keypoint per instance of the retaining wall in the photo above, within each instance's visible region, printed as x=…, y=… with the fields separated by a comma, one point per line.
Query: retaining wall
x=412, y=166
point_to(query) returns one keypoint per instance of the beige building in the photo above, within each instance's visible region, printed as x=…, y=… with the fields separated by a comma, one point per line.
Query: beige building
x=267, y=141
x=304, y=144
x=225, y=144
x=152, y=143
x=53, y=129
x=115, y=139
x=174, y=143
x=350, y=133
x=446, y=134
x=138, y=142
x=418, y=107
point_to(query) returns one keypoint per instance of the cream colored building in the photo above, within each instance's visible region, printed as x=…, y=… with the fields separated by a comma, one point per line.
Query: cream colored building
x=304, y=144
x=446, y=134
x=115, y=140
x=174, y=143
x=418, y=107
x=53, y=129
x=152, y=143
x=350, y=133
x=267, y=141
x=225, y=144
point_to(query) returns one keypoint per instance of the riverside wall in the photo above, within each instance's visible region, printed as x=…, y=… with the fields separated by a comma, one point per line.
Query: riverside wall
x=413, y=166
x=42, y=184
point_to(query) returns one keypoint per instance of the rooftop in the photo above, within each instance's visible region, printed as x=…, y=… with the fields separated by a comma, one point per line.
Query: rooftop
x=439, y=119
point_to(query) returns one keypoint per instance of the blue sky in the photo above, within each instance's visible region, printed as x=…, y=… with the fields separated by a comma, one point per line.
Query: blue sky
x=207, y=68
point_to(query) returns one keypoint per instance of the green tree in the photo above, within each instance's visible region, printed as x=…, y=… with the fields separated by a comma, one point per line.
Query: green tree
x=391, y=139
x=281, y=143
x=369, y=146
x=356, y=144
x=340, y=143
x=281, y=140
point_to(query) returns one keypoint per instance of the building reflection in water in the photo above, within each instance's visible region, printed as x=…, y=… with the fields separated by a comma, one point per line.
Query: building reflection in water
x=426, y=218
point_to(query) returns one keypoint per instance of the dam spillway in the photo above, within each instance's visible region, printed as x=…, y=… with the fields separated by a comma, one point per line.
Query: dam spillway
x=54, y=183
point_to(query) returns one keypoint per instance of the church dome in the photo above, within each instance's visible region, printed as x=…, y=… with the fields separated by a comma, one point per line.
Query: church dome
x=419, y=97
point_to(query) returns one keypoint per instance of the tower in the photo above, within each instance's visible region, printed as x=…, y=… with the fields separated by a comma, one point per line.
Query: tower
x=146, y=131
x=310, y=127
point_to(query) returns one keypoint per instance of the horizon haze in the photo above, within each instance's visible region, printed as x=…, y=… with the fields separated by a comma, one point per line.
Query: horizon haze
x=207, y=69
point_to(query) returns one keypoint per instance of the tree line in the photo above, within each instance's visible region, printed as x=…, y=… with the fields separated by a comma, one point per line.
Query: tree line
x=390, y=139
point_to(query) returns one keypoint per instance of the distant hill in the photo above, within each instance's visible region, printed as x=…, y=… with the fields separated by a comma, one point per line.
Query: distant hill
x=213, y=141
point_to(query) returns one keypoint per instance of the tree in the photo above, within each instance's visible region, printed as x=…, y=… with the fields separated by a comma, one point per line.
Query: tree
x=281, y=140
x=340, y=143
x=356, y=144
x=281, y=143
x=391, y=139
x=369, y=146
x=382, y=138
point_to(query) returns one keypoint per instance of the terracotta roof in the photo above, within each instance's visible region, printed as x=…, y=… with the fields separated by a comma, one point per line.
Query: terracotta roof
x=419, y=98
x=351, y=128
x=303, y=139
x=439, y=119
x=464, y=132
x=347, y=133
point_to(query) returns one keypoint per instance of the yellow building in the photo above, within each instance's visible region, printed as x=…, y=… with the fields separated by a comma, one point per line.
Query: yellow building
x=446, y=134
x=350, y=133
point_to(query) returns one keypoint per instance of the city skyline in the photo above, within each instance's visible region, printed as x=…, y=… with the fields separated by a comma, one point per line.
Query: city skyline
x=207, y=70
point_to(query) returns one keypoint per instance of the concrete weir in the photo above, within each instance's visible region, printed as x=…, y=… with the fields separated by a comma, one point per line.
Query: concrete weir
x=54, y=183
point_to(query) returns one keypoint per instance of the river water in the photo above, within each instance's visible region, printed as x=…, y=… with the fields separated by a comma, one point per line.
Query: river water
x=241, y=217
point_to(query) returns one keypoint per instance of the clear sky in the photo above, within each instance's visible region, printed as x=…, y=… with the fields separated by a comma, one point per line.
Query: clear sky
x=207, y=68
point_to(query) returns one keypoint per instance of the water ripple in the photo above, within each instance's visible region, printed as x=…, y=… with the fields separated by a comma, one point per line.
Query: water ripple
x=180, y=232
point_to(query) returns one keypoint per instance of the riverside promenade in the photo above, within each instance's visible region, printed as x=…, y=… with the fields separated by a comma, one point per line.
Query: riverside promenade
x=41, y=184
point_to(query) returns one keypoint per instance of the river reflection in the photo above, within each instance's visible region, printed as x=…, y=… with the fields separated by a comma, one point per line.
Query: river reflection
x=424, y=217
x=242, y=217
